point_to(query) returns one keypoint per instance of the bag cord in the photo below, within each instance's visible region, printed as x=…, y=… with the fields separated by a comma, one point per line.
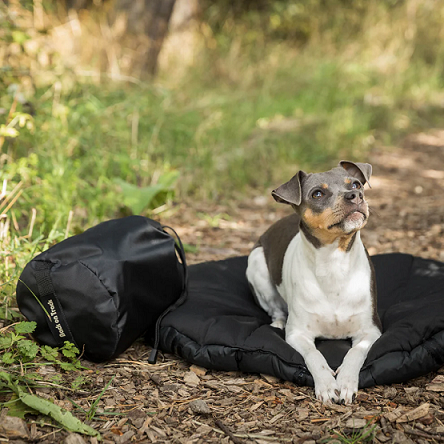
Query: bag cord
x=181, y=251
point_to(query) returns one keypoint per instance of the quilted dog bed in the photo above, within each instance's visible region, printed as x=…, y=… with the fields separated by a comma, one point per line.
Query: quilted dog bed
x=220, y=326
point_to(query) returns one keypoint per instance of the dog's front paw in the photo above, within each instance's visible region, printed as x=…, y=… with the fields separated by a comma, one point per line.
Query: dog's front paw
x=347, y=381
x=279, y=323
x=326, y=388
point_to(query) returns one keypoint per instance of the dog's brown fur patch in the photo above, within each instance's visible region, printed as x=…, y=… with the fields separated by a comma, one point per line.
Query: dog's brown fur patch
x=318, y=224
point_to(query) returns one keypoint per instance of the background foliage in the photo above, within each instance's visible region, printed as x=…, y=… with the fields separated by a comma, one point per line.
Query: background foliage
x=261, y=89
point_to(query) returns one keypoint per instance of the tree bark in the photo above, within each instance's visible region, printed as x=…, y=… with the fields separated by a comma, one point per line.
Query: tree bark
x=157, y=29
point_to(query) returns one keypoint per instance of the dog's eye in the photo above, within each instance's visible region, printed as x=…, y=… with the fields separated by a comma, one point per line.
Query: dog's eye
x=317, y=194
x=356, y=185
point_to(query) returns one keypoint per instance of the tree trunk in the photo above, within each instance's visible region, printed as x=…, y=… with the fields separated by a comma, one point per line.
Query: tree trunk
x=161, y=11
x=151, y=19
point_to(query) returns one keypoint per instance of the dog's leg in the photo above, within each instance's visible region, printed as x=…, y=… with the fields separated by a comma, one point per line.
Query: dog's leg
x=348, y=372
x=265, y=291
x=326, y=388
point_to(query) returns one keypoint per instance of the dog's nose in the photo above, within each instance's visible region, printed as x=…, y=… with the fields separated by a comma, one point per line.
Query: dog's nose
x=354, y=196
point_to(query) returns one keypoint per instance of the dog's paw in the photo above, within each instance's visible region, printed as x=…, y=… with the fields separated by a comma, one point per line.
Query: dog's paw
x=347, y=381
x=279, y=323
x=326, y=388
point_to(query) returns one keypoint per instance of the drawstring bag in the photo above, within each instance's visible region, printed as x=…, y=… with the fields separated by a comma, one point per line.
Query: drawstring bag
x=104, y=288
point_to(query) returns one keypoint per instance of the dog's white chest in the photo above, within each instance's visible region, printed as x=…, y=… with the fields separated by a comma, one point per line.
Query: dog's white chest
x=327, y=290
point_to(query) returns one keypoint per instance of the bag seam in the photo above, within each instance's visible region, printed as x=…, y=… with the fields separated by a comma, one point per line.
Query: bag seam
x=119, y=332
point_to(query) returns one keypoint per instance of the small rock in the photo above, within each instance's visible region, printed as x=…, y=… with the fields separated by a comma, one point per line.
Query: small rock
x=13, y=427
x=171, y=387
x=74, y=438
x=191, y=378
x=355, y=423
x=199, y=406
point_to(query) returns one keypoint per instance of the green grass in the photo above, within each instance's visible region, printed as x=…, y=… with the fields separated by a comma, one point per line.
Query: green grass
x=221, y=139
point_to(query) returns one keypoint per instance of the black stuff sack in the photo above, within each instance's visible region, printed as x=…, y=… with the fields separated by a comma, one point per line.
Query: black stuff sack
x=104, y=288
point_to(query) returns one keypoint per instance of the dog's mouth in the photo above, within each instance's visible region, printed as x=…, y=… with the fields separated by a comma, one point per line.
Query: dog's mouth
x=352, y=217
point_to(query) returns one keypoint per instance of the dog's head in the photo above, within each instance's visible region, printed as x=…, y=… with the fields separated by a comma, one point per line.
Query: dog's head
x=331, y=204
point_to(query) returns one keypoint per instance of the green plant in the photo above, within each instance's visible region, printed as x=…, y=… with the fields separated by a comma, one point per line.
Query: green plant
x=358, y=436
x=141, y=198
x=45, y=407
x=17, y=349
x=91, y=412
x=20, y=357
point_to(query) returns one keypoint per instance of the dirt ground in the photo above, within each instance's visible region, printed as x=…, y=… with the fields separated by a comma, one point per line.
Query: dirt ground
x=178, y=403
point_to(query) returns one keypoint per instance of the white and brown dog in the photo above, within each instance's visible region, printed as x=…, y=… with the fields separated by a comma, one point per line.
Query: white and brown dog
x=311, y=273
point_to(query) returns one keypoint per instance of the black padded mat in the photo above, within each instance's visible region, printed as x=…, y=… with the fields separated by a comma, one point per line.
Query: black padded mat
x=221, y=327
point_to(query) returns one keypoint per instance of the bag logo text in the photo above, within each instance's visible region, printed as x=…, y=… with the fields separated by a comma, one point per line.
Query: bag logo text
x=55, y=318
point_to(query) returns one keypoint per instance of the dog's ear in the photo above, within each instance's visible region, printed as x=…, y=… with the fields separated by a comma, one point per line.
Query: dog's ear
x=361, y=171
x=290, y=193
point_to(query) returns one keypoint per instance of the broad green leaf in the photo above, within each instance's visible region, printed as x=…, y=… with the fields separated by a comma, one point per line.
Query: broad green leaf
x=25, y=327
x=6, y=341
x=67, y=366
x=27, y=348
x=6, y=377
x=17, y=408
x=8, y=358
x=169, y=179
x=49, y=353
x=69, y=350
x=62, y=416
x=138, y=199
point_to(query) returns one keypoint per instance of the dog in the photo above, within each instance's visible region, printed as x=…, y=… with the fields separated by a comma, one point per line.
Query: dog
x=312, y=274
